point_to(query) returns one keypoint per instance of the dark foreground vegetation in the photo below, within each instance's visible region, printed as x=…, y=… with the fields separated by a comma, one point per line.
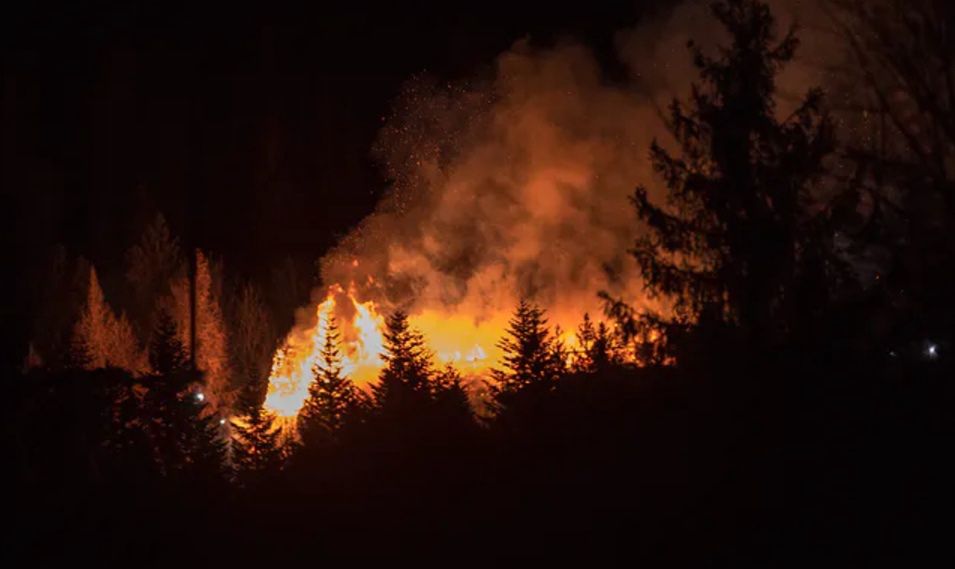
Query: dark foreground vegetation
x=778, y=459
x=788, y=409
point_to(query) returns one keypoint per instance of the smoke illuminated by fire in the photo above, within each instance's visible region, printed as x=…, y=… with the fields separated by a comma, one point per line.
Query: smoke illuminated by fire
x=514, y=185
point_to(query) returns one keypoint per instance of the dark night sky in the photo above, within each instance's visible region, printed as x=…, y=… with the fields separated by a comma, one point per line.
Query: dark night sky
x=250, y=128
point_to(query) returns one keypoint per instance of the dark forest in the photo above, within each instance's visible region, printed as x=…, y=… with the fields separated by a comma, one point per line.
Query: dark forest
x=660, y=281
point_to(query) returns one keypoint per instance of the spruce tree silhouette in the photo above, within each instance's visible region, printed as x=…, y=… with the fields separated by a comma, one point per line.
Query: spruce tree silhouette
x=332, y=397
x=599, y=349
x=452, y=407
x=188, y=444
x=258, y=453
x=167, y=357
x=404, y=383
x=728, y=244
x=532, y=363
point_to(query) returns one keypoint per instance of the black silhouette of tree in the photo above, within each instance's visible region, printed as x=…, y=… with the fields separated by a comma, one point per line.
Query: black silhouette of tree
x=404, y=382
x=452, y=404
x=735, y=231
x=533, y=358
x=167, y=356
x=258, y=452
x=599, y=349
x=332, y=397
x=188, y=443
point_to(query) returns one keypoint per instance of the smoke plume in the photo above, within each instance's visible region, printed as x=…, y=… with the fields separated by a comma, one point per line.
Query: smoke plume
x=519, y=184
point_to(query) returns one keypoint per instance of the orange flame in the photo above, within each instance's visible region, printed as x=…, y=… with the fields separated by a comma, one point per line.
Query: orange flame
x=457, y=339
x=362, y=345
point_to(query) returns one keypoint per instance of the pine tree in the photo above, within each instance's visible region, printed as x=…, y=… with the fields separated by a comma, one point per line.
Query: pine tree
x=451, y=402
x=533, y=357
x=598, y=347
x=211, y=356
x=251, y=345
x=187, y=438
x=101, y=339
x=89, y=334
x=167, y=356
x=404, y=381
x=152, y=264
x=257, y=448
x=729, y=242
x=332, y=397
x=205, y=446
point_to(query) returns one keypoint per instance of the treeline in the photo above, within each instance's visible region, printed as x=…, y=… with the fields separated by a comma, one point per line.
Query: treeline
x=238, y=321
x=794, y=406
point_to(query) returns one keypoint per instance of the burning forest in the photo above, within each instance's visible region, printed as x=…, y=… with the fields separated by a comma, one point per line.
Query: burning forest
x=659, y=283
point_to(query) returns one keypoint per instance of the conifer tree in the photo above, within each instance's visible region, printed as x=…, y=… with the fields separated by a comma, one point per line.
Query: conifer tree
x=166, y=354
x=533, y=357
x=204, y=444
x=251, y=345
x=152, y=264
x=257, y=448
x=89, y=334
x=211, y=356
x=404, y=382
x=451, y=402
x=187, y=438
x=100, y=338
x=331, y=395
x=730, y=240
x=598, y=347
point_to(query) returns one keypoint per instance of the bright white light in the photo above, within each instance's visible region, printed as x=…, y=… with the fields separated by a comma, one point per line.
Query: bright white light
x=931, y=351
x=222, y=421
x=200, y=396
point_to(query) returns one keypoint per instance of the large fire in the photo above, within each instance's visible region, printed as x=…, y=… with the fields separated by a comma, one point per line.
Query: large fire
x=516, y=186
x=361, y=346
x=468, y=344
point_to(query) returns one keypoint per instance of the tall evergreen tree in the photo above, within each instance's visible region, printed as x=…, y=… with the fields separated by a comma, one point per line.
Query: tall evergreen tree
x=533, y=357
x=452, y=405
x=251, y=345
x=404, y=382
x=257, y=449
x=166, y=353
x=598, y=350
x=102, y=339
x=211, y=355
x=203, y=442
x=152, y=264
x=736, y=231
x=332, y=397
x=187, y=439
